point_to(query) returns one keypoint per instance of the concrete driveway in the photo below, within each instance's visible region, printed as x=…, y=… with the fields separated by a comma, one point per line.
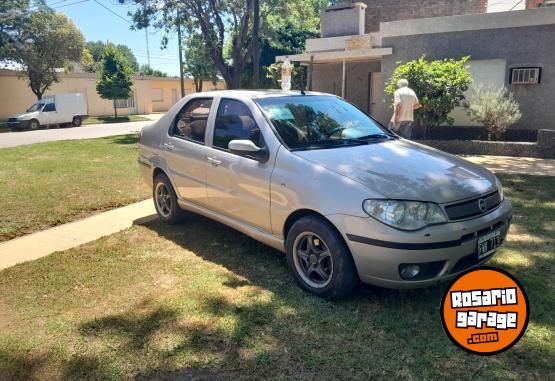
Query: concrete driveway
x=14, y=139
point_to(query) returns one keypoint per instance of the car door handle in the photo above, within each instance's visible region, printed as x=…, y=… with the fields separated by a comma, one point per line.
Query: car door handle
x=169, y=147
x=213, y=161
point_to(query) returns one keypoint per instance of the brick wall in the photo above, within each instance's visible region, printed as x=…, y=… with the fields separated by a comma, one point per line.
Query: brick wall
x=393, y=10
x=532, y=4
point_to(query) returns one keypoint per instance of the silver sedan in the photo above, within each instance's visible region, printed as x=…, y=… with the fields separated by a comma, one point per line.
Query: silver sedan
x=309, y=174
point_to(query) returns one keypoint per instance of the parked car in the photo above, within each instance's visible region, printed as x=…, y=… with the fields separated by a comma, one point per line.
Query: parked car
x=312, y=176
x=60, y=109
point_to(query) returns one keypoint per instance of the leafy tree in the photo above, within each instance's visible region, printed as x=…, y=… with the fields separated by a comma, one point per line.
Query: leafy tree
x=226, y=27
x=440, y=86
x=148, y=70
x=285, y=26
x=87, y=62
x=222, y=23
x=198, y=63
x=96, y=49
x=115, y=81
x=45, y=42
x=494, y=107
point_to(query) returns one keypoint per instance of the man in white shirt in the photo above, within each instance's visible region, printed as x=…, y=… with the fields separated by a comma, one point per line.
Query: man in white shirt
x=405, y=102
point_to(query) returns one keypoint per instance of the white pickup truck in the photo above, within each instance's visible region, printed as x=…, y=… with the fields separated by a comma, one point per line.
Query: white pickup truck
x=60, y=109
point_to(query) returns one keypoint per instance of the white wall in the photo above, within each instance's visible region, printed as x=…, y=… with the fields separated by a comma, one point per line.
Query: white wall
x=505, y=5
x=486, y=73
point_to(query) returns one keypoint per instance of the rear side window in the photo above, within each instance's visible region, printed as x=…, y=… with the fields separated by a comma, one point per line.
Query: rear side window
x=190, y=123
x=49, y=107
x=234, y=121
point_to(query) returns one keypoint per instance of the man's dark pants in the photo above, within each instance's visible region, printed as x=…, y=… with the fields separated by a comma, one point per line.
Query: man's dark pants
x=405, y=129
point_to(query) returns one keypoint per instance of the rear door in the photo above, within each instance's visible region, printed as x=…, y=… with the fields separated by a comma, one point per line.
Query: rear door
x=186, y=152
x=237, y=186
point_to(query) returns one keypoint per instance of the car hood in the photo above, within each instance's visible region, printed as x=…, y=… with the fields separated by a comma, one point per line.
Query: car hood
x=400, y=169
x=25, y=115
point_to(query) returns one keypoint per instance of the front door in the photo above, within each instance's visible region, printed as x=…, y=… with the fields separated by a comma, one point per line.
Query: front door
x=238, y=186
x=49, y=115
x=174, y=96
x=186, y=151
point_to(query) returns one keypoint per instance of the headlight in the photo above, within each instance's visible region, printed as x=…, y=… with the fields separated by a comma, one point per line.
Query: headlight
x=499, y=188
x=405, y=215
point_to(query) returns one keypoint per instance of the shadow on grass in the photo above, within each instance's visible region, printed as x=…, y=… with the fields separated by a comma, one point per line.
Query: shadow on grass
x=125, y=139
x=257, y=324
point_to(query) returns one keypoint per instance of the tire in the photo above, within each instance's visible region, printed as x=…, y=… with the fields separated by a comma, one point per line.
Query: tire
x=34, y=124
x=77, y=121
x=168, y=210
x=333, y=275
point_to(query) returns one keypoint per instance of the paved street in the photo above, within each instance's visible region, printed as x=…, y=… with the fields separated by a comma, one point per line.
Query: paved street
x=14, y=139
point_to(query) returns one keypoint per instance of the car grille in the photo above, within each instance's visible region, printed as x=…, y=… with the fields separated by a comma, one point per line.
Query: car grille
x=471, y=208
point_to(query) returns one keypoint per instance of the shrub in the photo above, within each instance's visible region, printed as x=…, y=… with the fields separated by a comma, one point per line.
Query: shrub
x=439, y=85
x=494, y=107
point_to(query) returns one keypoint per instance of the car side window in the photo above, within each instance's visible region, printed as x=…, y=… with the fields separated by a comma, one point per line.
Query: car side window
x=235, y=121
x=190, y=123
x=49, y=107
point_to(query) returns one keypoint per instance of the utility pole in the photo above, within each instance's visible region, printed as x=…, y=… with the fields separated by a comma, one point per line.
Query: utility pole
x=147, y=50
x=180, y=56
x=256, y=45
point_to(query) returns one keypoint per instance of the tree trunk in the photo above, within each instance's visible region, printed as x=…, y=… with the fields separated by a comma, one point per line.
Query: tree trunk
x=115, y=109
x=256, y=46
x=181, y=76
x=200, y=85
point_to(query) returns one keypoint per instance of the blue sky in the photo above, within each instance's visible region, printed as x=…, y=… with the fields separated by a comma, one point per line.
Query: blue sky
x=97, y=23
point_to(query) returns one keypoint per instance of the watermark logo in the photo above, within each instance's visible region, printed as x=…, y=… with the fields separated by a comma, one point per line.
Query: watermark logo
x=485, y=311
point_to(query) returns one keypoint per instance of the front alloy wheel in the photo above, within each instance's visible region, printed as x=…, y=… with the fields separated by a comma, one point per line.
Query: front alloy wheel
x=319, y=258
x=313, y=260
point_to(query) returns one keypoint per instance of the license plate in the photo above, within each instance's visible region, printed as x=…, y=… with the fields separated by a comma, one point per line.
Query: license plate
x=488, y=244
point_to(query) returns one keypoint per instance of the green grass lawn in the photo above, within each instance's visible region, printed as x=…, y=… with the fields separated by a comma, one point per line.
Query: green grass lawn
x=111, y=119
x=201, y=301
x=53, y=183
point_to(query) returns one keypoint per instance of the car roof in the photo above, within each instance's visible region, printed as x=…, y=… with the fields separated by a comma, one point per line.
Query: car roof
x=257, y=94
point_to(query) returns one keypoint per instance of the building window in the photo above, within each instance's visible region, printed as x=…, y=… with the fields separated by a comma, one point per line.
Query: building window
x=525, y=75
x=157, y=95
x=126, y=103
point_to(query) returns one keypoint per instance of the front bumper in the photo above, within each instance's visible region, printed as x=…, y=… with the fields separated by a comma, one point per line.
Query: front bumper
x=18, y=124
x=379, y=250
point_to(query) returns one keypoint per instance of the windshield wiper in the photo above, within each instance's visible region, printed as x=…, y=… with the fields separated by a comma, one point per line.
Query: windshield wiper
x=372, y=136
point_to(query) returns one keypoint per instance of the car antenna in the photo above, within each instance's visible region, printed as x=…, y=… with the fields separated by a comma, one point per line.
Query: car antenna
x=302, y=82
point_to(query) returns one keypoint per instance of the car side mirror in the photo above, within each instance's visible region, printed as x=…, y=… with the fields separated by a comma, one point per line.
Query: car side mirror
x=248, y=149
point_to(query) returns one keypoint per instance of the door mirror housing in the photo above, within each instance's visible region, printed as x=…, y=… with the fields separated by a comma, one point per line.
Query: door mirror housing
x=248, y=149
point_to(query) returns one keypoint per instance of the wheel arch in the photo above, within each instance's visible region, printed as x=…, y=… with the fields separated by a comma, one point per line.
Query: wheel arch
x=300, y=213
x=159, y=171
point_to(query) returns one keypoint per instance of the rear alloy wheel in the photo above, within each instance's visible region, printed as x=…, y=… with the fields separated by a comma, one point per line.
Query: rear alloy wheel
x=76, y=122
x=319, y=258
x=165, y=200
x=34, y=124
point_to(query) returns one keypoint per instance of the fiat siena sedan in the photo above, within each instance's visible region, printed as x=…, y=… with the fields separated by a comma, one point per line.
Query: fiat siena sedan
x=311, y=175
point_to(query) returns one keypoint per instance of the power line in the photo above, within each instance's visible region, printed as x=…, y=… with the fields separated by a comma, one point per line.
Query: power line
x=56, y=2
x=112, y=12
x=67, y=5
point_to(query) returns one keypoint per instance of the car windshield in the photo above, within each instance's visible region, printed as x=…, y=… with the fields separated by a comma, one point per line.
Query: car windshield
x=320, y=121
x=35, y=107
